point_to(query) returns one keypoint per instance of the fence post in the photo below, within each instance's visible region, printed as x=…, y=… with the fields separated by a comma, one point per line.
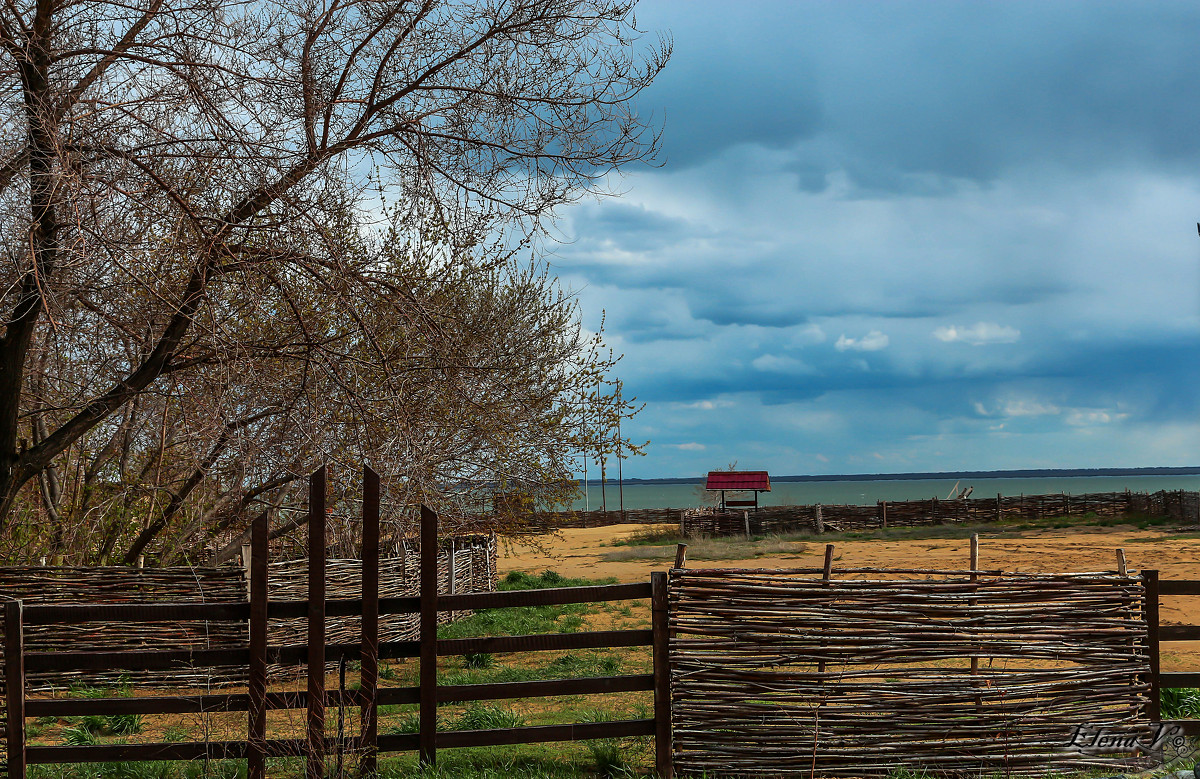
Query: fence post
x=256, y=688
x=14, y=687
x=1150, y=578
x=429, y=599
x=662, y=675
x=316, y=625
x=369, y=666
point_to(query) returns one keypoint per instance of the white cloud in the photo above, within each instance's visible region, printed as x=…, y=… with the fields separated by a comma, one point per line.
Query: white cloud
x=871, y=342
x=1084, y=417
x=1028, y=408
x=691, y=446
x=978, y=334
x=807, y=335
x=705, y=405
x=774, y=364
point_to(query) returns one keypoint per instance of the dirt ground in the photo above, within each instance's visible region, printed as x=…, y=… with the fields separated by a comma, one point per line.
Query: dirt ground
x=581, y=552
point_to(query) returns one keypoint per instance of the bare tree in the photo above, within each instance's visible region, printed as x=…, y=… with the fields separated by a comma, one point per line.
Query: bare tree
x=180, y=176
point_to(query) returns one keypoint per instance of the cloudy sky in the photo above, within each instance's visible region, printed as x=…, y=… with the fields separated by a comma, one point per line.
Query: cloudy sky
x=908, y=236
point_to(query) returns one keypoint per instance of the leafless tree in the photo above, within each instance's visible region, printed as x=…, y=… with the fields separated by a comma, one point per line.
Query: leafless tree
x=183, y=193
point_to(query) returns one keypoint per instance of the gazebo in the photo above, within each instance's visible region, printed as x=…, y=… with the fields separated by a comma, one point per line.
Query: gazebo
x=738, y=481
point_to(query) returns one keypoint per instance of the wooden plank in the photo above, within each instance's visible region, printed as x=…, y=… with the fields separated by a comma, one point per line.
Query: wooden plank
x=369, y=662
x=662, y=676
x=109, y=753
x=429, y=642
x=1152, y=641
x=315, y=763
x=48, y=614
x=181, y=704
x=1175, y=679
x=542, y=642
x=1179, y=587
x=1179, y=633
x=14, y=682
x=544, y=688
x=549, y=597
x=187, y=750
x=399, y=742
x=540, y=733
x=166, y=659
x=391, y=695
x=1190, y=727
x=256, y=704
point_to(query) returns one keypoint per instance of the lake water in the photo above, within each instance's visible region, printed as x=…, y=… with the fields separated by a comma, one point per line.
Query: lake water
x=864, y=493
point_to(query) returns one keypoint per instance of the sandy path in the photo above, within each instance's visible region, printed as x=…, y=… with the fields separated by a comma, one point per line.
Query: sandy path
x=580, y=552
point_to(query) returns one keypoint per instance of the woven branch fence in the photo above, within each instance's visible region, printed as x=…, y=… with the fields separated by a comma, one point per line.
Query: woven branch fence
x=1180, y=506
x=474, y=570
x=778, y=673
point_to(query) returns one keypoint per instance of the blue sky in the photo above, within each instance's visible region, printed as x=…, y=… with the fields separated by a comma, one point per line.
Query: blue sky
x=908, y=236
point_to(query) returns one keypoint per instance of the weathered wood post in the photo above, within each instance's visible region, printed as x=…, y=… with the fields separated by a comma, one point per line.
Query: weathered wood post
x=429, y=604
x=660, y=621
x=316, y=625
x=256, y=688
x=820, y=523
x=14, y=684
x=973, y=602
x=1150, y=579
x=826, y=575
x=369, y=662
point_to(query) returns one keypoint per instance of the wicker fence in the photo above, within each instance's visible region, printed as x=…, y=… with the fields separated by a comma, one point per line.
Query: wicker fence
x=470, y=567
x=1181, y=506
x=784, y=674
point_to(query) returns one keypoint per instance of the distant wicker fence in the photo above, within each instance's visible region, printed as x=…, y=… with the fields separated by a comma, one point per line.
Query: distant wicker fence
x=465, y=564
x=1181, y=506
x=783, y=674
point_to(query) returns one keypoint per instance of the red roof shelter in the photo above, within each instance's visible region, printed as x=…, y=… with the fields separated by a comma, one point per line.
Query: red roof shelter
x=738, y=481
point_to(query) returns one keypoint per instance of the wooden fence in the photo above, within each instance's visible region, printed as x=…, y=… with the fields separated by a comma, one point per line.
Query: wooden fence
x=789, y=673
x=1181, y=506
x=257, y=654
x=465, y=564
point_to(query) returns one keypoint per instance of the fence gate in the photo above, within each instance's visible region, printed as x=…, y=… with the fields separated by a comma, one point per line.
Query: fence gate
x=778, y=673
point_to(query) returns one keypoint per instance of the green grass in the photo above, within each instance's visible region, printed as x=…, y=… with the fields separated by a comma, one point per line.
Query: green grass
x=1180, y=703
x=524, y=620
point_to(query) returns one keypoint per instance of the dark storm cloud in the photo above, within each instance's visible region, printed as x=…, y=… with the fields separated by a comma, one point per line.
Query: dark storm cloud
x=962, y=90
x=949, y=234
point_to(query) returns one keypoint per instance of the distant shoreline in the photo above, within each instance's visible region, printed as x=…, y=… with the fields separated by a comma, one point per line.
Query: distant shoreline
x=1044, y=473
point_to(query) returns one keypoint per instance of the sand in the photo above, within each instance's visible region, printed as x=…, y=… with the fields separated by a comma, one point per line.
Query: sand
x=580, y=552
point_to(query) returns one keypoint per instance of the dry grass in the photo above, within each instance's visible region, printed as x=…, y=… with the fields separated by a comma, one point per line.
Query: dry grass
x=715, y=549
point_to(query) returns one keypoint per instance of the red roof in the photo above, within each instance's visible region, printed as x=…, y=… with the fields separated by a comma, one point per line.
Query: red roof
x=738, y=480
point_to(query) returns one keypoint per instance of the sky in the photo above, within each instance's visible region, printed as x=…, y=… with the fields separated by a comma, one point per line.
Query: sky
x=907, y=236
